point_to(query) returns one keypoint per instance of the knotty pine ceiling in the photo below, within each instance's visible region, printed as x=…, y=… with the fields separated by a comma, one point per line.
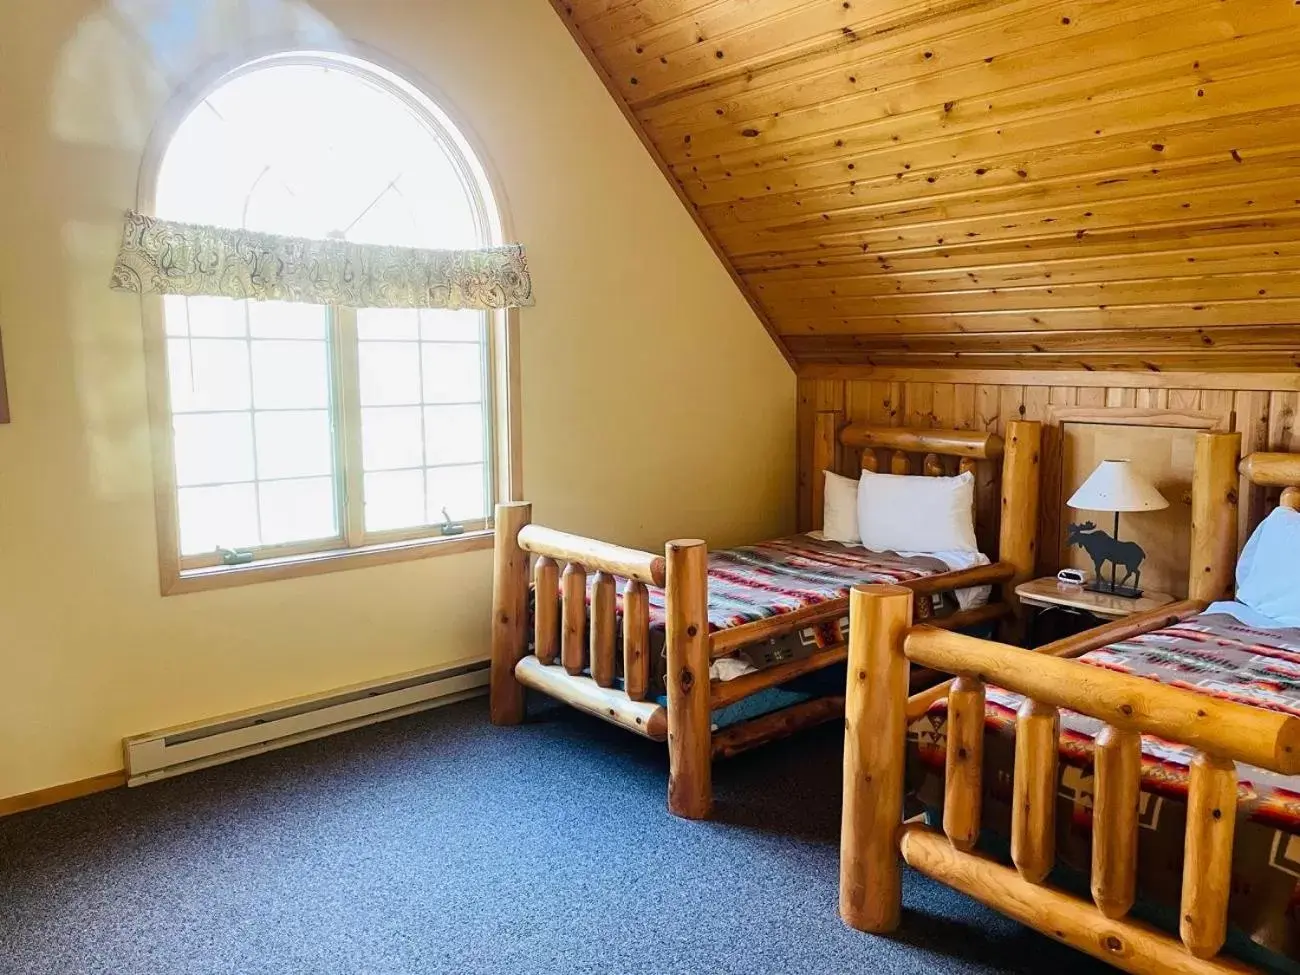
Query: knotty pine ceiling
x=1088, y=184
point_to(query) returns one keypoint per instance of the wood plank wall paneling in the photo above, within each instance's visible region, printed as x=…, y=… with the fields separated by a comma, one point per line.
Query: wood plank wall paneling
x=1027, y=184
x=1268, y=419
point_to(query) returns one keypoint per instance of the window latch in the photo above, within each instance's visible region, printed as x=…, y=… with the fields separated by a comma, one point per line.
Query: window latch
x=450, y=527
x=232, y=556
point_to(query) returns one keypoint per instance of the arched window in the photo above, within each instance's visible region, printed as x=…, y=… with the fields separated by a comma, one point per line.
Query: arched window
x=298, y=429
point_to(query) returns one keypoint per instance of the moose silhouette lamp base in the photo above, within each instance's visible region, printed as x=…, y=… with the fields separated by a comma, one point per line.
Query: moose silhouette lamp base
x=1113, y=486
x=1103, y=548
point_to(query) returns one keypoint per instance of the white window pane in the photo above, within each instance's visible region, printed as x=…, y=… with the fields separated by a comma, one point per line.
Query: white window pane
x=224, y=516
x=452, y=373
x=394, y=499
x=388, y=323
x=437, y=199
x=387, y=220
x=286, y=320
x=175, y=315
x=208, y=374
x=454, y=434
x=290, y=375
x=439, y=325
x=217, y=317
x=297, y=511
x=460, y=490
x=213, y=448
x=391, y=437
x=390, y=373
x=293, y=443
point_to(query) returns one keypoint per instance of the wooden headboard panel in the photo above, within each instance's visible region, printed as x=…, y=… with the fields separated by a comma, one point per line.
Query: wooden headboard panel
x=937, y=452
x=1215, y=489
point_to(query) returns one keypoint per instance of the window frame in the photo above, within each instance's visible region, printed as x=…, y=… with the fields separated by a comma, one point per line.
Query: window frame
x=353, y=547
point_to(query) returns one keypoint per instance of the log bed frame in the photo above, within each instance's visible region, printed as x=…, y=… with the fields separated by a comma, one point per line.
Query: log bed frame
x=563, y=562
x=882, y=645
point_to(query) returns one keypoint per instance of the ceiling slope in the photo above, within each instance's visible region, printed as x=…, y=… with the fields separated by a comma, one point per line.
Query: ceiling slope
x=1085, y=184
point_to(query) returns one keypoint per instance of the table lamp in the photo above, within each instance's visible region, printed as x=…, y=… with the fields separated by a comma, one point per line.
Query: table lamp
x=1113, y=486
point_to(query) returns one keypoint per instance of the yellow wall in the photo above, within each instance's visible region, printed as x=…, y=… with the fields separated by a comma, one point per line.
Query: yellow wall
x=654, y=404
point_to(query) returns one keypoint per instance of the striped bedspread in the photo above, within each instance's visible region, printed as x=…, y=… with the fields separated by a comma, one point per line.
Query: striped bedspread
x=755, y=582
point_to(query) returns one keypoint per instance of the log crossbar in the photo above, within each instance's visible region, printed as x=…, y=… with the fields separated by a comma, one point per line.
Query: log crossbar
x=1275, y=470
x=884, y=644
x=978, y=445
x=594, y=555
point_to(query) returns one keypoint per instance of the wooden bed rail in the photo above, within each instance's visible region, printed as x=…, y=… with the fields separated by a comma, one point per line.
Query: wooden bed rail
x=594, y=555
x=1272, y=469
x=1129, y=944
x=882, y=646
x=1275, y=470
x=978, y=445
x=1081, y=643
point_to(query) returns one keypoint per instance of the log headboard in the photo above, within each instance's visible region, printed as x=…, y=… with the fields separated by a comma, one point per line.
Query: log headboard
x=1215, y=496
x=937, y=452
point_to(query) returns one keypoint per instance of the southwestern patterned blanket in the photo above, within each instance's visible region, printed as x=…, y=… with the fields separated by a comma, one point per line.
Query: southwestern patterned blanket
x=756, y=582
x=1211, y=654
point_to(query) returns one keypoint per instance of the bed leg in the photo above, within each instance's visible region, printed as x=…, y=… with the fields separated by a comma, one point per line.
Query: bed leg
x=875, y=742
x=690, y=746
x=1018, y=532
x=509, y=613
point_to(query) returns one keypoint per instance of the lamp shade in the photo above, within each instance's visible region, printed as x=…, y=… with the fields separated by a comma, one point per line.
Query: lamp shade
x=1115, y=486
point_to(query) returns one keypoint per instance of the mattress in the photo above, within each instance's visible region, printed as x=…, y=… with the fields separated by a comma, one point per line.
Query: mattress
x=769, y=579
x=1226, y=654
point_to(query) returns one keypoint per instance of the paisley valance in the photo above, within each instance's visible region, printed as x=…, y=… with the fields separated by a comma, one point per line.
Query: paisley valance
x=165, y=257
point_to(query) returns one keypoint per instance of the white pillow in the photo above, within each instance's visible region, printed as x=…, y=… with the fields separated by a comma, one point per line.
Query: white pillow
x=840, y=509
x=1268, y=572
x=903, y=513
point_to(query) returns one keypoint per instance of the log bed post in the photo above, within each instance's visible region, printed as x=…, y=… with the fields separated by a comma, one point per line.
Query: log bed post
x=1018, y=526
x=1214, y=516
x=875, y=739
x=825, y=457
x=690, y=746
x=509, y=613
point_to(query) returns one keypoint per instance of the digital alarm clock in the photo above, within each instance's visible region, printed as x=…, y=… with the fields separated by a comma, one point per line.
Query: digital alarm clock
x=1072, y=577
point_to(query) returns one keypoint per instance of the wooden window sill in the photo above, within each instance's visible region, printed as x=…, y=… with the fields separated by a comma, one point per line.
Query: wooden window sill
x=317, y=563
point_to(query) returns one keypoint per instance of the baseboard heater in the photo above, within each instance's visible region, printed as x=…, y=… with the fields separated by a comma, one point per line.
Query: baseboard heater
x=173, y=751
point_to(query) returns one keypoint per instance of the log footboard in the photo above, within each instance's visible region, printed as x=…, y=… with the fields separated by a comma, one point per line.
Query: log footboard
x=882, y=646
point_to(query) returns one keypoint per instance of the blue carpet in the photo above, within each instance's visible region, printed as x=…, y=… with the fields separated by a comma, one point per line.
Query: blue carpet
x=438, y=843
